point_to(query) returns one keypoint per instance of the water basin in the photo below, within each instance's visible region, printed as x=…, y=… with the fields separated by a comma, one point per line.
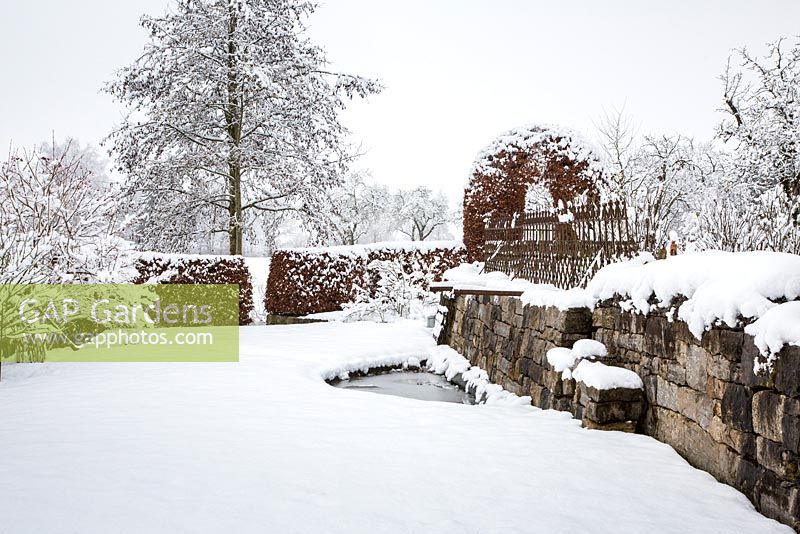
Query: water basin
x=410, y=384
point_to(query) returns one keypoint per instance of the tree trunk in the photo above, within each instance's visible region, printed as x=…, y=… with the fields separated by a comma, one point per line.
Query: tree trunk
x=235, y=229
x=233, y=117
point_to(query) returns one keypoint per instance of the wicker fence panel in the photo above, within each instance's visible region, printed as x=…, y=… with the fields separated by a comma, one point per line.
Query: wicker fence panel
x=563, y=249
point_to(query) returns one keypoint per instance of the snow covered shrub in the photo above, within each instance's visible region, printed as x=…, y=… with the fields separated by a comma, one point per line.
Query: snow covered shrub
x=528, y=167
x=57, y=225
x=196, y=269
x=315, y=280
x=401, y=291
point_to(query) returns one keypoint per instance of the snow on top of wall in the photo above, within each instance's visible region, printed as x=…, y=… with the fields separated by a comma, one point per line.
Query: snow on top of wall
x=563, y=299
x=601, y=376
x=557, y=138
x=364, y=250
x=719, y=287
x=563, y=359
x=469, y=276
x=779, y=326
x=589, y=348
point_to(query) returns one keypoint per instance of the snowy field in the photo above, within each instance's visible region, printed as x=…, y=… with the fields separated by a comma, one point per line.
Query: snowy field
x=266, y=445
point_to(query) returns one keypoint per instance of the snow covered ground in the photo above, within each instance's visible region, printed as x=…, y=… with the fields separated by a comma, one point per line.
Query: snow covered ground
x=265, y=445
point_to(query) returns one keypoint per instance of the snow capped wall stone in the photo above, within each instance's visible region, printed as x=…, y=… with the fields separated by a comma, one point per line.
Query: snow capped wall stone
x=701, y=396
x=316, y=280
x=556, y=159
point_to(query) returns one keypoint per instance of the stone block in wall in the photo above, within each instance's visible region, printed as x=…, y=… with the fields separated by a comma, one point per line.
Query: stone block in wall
x=605, y=317
x=659, y=337
x=591, y=394
x=787, y=371
x=721, y=368
x=751, y=354
x=574, y=321
x=702, y=451
x=768, y=415
x=731, y=343
x=634, y=342
x=737, y=409
x=696, y=406
x=696, y=365
x=790, y=425
x=502, y=329
x=612, y=412
x=633, y=323
x=774, y=457
x=670, y=428
x=675, y=373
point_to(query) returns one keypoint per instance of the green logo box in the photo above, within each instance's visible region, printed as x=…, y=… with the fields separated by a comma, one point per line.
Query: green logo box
x=120, y=322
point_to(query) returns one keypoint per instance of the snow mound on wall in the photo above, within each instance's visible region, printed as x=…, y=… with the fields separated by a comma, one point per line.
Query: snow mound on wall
x=719, y=287
x=563, y=359
x=601, y=376
x=779, y=326
x=564, y=299
x=470, y=276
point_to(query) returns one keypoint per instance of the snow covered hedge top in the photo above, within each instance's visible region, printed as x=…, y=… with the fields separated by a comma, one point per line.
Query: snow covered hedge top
x=555, y=159
x=155, y=268
x=365, y=250
x=555, y=139
x=317, y=280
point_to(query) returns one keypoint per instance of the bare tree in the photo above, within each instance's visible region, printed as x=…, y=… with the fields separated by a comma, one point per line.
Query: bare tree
x=420, y=212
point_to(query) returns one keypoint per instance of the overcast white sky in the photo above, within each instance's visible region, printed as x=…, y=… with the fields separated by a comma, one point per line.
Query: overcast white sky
x=457, y=72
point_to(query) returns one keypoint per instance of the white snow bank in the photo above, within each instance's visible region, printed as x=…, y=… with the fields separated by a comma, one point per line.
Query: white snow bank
x=443, y=360
x=265, y=444
x=601, y=376
x=469, y=276
x=779, y=326
x=720, y=287
x=364, y=250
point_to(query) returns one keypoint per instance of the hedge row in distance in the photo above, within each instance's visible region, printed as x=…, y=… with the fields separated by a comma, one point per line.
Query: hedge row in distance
x=198, y=269
x=317, y=280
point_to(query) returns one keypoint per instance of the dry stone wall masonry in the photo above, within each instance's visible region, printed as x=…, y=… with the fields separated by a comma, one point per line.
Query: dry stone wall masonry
x=702, y=397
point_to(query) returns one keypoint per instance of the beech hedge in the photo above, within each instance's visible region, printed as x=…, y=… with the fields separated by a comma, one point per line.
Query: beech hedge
x=317, y=280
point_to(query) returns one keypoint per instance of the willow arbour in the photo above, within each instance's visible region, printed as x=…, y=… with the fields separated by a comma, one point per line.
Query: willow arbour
x=232, y=117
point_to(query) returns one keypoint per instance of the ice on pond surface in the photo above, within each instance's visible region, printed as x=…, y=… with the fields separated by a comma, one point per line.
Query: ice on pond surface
x=410, y=384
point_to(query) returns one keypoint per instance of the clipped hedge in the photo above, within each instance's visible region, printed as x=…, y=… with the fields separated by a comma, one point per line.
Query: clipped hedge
x=198, y=269
x=317, y=280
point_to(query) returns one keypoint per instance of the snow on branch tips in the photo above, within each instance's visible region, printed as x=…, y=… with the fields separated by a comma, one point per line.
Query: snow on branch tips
x=233, y=121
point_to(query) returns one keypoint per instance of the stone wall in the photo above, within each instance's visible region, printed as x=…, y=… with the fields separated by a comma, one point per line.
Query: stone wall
x=703, y=397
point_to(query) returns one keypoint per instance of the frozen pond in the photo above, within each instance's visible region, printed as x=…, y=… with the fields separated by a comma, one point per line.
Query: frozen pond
x=411, y=384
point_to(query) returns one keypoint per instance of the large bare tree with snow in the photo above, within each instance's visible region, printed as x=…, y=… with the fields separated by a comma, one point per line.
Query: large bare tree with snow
x=420, y=212
x=233, y=114
x=762, y=103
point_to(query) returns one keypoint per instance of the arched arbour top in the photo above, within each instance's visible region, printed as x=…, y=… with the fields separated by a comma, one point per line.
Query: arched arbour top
x=550, y=156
